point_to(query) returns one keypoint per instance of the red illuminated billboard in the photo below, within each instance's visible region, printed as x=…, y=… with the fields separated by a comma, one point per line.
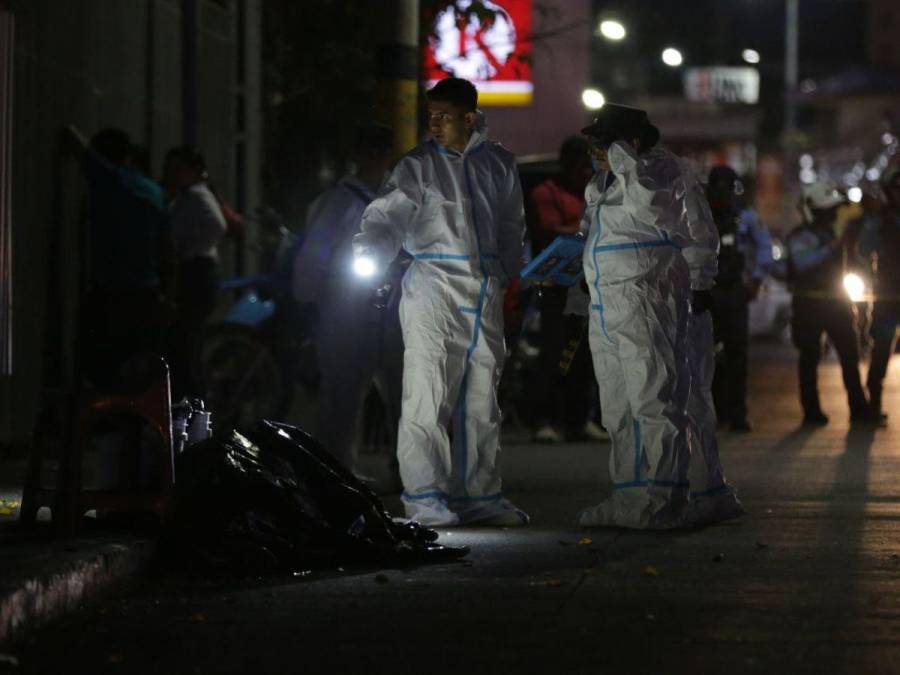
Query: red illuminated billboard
x=489, y=43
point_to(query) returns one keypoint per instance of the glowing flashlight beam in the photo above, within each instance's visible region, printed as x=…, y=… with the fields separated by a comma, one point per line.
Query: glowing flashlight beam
x=364, y=267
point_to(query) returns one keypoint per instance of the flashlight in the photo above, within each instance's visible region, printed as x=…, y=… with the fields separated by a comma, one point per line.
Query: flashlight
x=855, y=287
x=364, y=267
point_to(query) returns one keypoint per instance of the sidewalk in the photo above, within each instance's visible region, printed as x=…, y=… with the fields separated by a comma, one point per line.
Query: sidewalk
x=43, y=576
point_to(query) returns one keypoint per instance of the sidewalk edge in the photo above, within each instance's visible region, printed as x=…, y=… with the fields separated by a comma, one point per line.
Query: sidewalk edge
x=41, y=599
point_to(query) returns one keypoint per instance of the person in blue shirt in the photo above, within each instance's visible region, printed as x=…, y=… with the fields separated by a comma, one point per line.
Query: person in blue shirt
x=880, y=241
x=745, y=256
x=129, y=257
x=820, y=305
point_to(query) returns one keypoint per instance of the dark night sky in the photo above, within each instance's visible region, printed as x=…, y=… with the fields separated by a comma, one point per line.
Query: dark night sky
x=708, y=31
x=714, y=32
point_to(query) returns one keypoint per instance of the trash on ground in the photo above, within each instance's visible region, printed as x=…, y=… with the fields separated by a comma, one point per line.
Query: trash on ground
x=586, y=541
x=650, y=571
x=271, y=499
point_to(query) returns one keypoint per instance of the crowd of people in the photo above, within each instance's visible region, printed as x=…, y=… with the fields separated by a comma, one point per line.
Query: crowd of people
x=670, y=267
x=152, y=260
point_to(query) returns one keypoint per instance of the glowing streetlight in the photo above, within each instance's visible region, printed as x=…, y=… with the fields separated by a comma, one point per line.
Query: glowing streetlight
x=592, y=99
x=855, y=194
x=672, y=57
x=750, y=56
x=612, y=30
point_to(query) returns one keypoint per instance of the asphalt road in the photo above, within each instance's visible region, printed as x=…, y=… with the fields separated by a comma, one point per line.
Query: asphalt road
x=808, y=582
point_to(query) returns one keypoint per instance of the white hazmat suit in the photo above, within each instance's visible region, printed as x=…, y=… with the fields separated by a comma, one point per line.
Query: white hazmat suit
x=355, y=342
x=460, y=216
x=639, y=285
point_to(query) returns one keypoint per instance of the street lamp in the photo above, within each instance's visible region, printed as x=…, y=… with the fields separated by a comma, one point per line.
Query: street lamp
x=750, y=55
x=612, y=30
x=592, y=99
x=672, y=57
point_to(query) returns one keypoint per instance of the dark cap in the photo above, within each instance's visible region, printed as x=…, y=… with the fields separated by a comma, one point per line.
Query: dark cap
x=722, y=173
x=617, y=122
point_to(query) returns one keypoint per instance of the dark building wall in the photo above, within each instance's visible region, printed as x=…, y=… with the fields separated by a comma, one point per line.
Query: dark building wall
x=94, y=64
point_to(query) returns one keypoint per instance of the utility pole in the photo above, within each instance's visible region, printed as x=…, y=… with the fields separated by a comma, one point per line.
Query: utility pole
x=397, y=73
x=789, y=134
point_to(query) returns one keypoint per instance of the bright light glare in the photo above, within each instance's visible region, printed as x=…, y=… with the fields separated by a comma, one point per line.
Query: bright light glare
x=592, y=99
x=855, y=287
x=750, y=56
x=855, y=194
x=672, y=57
x=612, y=30
x=364, y=267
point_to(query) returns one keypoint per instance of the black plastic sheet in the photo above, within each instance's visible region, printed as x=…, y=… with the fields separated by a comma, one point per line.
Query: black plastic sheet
x=272, y=499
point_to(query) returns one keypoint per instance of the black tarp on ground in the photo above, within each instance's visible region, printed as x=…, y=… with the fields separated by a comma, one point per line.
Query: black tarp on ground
x=272, y=499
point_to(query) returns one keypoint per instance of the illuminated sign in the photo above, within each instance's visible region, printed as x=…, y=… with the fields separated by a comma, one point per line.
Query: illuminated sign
x=486, y=42
x=722, y=85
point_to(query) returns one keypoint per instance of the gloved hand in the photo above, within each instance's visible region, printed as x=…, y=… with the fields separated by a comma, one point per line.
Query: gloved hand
x=701, y=301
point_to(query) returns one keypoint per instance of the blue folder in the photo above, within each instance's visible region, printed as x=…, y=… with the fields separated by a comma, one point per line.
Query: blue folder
x=559, y=262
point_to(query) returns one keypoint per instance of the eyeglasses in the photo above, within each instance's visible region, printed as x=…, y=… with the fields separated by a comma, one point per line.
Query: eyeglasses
x=438, y=117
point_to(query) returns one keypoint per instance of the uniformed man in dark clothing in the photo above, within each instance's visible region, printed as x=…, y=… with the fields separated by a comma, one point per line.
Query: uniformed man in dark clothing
x=880, y=240
x=820, y=304
x=745, y=256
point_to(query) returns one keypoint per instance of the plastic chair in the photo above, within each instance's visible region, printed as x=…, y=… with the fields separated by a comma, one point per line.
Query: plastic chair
x=146, y=398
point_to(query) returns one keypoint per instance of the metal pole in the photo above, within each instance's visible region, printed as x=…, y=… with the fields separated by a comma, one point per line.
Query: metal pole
x=397, y=72
x=791, y=38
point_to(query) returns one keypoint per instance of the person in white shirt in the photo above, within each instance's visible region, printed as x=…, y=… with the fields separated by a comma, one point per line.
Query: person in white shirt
x=198, y=227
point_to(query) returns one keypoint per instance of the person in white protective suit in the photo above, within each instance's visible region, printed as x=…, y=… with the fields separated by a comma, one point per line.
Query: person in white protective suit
x=455, y=204
x=639, y=285
x=712, y=499
x=355, y=342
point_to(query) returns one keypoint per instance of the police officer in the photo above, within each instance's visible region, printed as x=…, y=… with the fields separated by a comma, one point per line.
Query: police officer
x=745, y=256
x=880, y=240
x=820, y=305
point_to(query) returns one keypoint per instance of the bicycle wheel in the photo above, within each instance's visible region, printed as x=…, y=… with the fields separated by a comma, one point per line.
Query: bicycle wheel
x=242, y=380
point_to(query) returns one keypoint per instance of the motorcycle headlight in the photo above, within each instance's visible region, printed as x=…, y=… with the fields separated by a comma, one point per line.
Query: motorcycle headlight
x=855, y=287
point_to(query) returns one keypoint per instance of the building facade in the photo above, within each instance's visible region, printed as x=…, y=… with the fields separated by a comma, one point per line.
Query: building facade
x=165, y=71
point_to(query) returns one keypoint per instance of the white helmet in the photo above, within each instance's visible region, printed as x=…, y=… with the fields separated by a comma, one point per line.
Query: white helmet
x=822, y=194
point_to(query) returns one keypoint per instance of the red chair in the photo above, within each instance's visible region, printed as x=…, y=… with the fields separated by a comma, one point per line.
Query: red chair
x=146, y=399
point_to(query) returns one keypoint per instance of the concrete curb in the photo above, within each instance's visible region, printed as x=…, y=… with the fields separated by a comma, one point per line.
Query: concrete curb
x=85, y=578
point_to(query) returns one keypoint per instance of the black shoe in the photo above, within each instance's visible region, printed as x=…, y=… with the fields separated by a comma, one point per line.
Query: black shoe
x=816, y=419
x=740, y=426
x=868, y=418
